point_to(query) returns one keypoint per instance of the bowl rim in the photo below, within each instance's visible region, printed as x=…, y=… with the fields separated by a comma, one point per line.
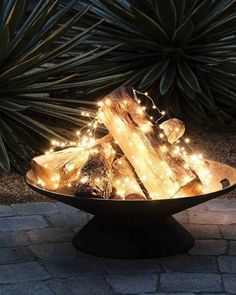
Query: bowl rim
x=84, y=198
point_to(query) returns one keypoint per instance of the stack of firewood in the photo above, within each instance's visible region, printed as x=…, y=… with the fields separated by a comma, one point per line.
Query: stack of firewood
x=138, y=159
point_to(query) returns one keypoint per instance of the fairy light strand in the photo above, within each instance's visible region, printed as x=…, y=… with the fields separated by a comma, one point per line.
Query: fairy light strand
x=86, y=137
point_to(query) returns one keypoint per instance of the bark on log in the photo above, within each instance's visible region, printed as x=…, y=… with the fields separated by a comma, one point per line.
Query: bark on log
x=125, y=182
x=159, y=167
x=96, y=174
x=59, y=169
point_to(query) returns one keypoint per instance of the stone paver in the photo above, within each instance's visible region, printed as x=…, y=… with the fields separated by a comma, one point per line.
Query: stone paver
x=133, y=283
x=63, y=208
x=14, y=238
x=37, y=256
x=56, y=251
x=232, y=248
x=22, y=272
x=194, y=282
x=50, y=235
x=189, y=263
x=22, y=223
x=29, y=288
x=84, y=285
x=209, y=247
x=6, y=211
x=68, y=219
x=181, y=217
x=222, y=205
x=228, y=231
x=229, y=281
x=204, y=231
x=115, y=266
x=16, y=255
x=34, y=208
x=227, y=264
x=85, y=265
x=209, y=217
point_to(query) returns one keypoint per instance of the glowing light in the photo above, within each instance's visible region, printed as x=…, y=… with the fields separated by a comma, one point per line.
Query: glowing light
x=146, y=127
x=187, y=140
x=139, y=111
x=163, y=148
x=107, y=101
x=70, y=167
x=84, y=179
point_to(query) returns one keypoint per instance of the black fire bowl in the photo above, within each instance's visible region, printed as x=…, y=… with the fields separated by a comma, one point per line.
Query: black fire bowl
x=134, y=229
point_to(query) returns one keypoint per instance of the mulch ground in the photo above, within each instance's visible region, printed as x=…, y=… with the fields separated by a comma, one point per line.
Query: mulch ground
x=213, y=143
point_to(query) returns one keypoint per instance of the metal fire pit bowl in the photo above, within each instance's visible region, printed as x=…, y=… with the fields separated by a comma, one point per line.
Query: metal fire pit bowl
x=138, y=228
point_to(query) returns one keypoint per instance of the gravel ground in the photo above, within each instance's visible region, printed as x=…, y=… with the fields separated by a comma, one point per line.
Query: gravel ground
x=213, y=143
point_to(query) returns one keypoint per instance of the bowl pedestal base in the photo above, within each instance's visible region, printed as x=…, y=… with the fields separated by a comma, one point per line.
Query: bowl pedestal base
x=133, y=240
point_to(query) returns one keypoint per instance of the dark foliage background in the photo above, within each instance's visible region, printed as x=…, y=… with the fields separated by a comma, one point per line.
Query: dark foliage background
x=181, y=51
x=37, y=61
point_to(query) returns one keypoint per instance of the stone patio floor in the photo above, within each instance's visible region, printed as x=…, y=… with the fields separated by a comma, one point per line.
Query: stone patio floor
x=37, y=257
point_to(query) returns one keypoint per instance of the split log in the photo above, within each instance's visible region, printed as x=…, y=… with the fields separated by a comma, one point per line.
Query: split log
x=96, y=174
x=58, y=169
x=193, y=188
x=125, y=182
x=157, y=163
x=173, y=129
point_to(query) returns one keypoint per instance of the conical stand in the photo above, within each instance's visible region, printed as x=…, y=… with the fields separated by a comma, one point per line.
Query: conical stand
x=132, y=240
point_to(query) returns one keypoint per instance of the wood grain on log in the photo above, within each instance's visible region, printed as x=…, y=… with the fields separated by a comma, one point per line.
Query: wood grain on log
x=124, y=180
x=161, y=170
x=96, y=173
x=58, y=169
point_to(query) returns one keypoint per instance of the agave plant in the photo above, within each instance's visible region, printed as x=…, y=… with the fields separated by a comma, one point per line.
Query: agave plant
x=34, y=62
x=181, y=51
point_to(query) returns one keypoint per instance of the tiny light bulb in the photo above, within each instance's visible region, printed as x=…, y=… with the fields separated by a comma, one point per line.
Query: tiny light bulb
x=107, y=101
x=163, y=113
x=187, y=140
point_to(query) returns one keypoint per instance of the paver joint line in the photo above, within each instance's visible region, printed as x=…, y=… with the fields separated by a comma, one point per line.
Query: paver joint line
x=36, y=255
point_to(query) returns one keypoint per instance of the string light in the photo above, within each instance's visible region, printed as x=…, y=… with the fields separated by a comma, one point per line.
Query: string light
x=87, y=139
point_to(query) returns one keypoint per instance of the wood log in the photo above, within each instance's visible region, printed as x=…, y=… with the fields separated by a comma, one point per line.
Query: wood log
x=125, y=182
x=157, y=163
x=96, y=173
x=58, y=169
x=173, y=129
